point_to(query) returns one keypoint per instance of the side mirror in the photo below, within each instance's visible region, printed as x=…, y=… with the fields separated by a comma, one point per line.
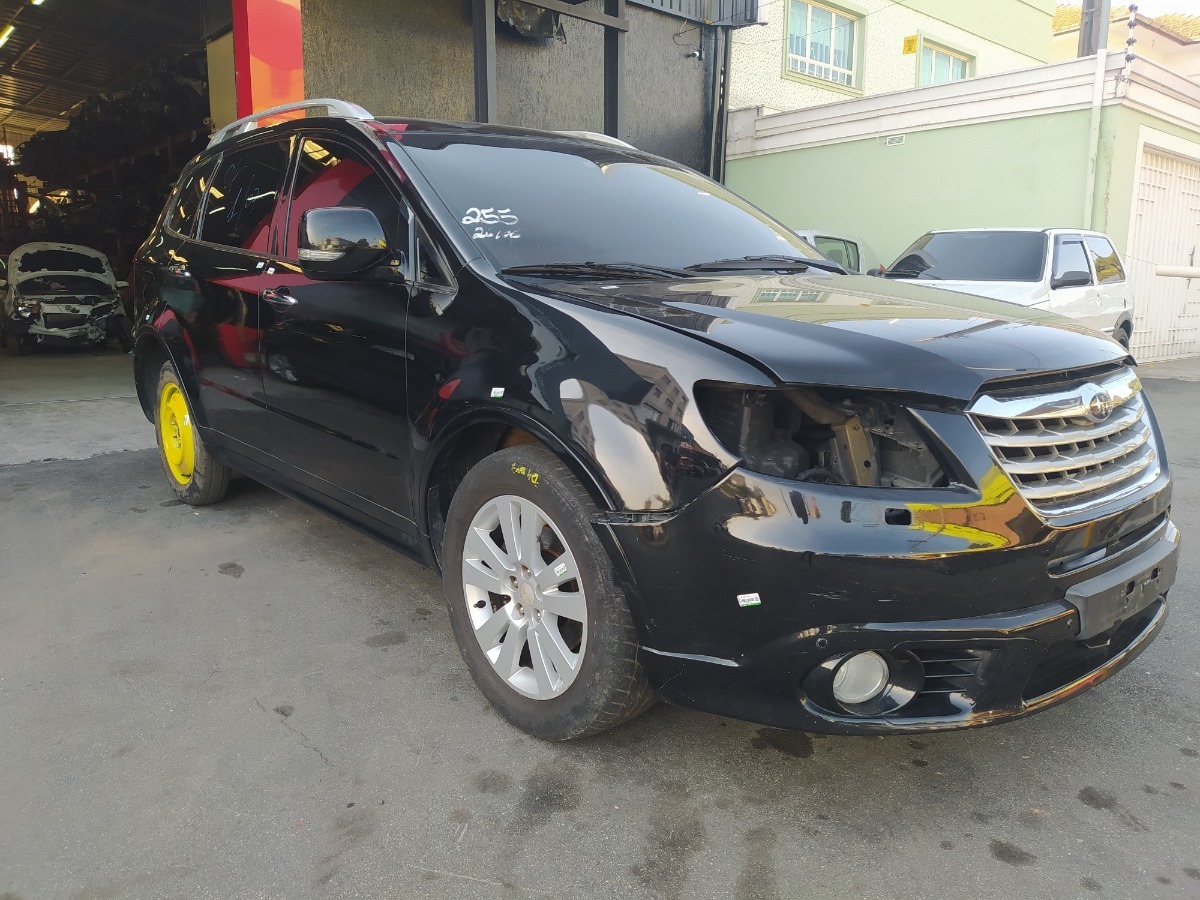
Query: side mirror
x=1071, y=279
x=875, y=272
x=340, y=242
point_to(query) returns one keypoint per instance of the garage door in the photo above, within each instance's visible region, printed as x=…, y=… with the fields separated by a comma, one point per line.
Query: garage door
x=1166, y=231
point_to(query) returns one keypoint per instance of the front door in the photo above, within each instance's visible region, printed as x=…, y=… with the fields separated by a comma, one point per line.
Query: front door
x=335, y=350
x=1079, y=302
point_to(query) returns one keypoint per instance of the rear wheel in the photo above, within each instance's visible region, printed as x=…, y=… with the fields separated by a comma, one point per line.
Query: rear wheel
x=1121, y=336
x=194, y=476
x=533, y=599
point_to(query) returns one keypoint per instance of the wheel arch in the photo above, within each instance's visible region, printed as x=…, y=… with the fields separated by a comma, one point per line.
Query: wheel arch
x=150, y=351
x=472, y=438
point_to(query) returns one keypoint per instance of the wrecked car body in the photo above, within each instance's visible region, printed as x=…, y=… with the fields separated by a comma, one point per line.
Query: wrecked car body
x=61, y=295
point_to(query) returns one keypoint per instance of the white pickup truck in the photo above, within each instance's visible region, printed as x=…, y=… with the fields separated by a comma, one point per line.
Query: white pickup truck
x=1074, y=273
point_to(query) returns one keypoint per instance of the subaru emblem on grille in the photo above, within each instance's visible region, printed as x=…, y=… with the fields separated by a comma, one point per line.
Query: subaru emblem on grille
x=1099, y=402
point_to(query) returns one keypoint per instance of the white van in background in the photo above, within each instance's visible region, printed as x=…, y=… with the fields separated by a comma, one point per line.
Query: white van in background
x=1075, y=273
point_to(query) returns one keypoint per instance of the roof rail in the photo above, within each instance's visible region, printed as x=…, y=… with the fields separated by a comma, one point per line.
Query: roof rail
x=597, y=136
x=341, y=109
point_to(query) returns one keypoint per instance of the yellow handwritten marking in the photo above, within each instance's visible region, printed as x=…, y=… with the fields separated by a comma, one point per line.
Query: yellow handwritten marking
x=534, y=477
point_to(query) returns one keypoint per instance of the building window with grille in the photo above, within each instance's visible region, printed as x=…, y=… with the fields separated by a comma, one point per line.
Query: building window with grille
x=822, y=43
x=940, y=66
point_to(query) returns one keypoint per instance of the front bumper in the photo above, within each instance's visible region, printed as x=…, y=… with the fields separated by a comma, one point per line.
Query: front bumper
x=983, y=629
x=92, y=329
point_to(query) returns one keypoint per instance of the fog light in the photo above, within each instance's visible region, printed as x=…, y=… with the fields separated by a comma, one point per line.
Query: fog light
x=862, y=677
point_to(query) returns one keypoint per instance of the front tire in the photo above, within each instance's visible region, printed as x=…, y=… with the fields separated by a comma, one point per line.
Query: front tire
x=533, y=599
x=14, y=344
x=193, y=474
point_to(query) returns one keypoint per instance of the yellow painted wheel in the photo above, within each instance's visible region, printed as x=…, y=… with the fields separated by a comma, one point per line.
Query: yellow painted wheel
x=175, y=433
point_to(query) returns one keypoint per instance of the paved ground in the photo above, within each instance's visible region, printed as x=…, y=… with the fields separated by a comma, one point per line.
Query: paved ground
x=69, y=406
x=253, y=701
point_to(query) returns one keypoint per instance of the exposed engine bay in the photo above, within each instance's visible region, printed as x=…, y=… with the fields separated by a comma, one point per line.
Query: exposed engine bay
x=800, y=434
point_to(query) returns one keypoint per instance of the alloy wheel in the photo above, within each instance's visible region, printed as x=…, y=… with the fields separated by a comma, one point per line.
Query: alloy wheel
x=525, y=599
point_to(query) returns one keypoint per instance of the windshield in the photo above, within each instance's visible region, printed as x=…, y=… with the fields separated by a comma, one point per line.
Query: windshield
x=48, y=285
x=60, y=261
x=530, y=202
x=974, y=256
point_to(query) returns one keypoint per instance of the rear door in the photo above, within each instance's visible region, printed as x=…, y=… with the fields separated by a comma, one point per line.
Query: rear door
x=1112, y=288
x=213, y=279
x=1079, y=302
x=335, y=350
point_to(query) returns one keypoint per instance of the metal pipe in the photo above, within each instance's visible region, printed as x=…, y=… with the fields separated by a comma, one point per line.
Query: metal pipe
x=483, y=22
x=1177, y=271
x=614, y=71
x=1101, y=12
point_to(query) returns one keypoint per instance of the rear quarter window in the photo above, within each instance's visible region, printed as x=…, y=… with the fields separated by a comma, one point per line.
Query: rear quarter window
x=185, y=202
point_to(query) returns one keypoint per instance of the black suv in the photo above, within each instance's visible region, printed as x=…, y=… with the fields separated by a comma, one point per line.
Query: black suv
x=657, y=445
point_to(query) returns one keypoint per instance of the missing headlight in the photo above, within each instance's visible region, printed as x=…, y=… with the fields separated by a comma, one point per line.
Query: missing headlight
x=804, y=435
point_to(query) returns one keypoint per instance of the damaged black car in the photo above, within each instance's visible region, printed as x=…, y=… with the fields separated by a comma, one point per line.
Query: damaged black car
x=657, y=445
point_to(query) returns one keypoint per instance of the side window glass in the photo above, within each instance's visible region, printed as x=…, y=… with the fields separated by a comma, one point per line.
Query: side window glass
x=1069, y=256
x=241, y=198
x=836, y=249
x=1104, y=257
x=329, y=173
x=185, y=204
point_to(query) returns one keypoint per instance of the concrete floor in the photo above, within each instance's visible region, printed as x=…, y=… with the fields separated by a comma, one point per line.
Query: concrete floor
x=251, y=700
x=69, y=406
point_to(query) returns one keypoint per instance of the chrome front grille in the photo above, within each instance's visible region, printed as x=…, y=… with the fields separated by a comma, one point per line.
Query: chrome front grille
x=1069, y=449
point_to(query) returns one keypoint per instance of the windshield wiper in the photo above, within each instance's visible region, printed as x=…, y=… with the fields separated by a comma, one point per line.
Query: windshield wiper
x=598, y=270
x=770, y=263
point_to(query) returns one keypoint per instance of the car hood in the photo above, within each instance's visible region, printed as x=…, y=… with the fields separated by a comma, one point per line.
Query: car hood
x=1023, y=292
x=92, y=260
x=855, y=330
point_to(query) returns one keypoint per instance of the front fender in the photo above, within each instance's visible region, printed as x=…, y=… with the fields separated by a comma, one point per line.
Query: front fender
x=479, y=419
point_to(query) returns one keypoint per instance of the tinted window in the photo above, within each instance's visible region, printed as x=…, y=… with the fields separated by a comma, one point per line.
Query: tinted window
x=528, y=201
x=974, y=256
x=330, y=174
x=241, y=198
x=845, y=253
x=1108, y=264
x=185, y=205
x=1069, y=256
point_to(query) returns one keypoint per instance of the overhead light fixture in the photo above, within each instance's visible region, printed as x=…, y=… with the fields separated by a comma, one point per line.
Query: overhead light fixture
x=6, y=34
x=37, y=2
